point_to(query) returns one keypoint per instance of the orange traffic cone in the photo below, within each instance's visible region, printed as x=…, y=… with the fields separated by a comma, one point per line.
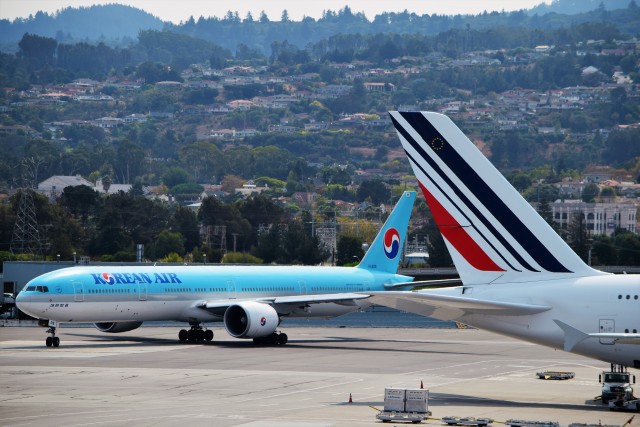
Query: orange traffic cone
x=421, y=385
x=350, y=399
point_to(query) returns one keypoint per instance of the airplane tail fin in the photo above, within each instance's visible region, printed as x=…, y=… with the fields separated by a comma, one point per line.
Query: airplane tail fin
x=384, y=253
x=492, y=233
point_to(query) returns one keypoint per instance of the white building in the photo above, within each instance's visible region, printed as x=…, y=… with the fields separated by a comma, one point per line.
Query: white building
x=601, y=218
x=52, y=187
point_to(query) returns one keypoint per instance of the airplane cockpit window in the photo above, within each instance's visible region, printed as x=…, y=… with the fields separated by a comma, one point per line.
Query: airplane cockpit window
x=30, y=288
x=42, y=289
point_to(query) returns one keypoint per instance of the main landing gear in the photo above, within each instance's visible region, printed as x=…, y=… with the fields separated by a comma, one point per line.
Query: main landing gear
x=195, y=334
x=53, y=340
x=276, y=338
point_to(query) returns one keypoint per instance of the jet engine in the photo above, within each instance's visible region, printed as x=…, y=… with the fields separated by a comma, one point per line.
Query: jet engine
x=250, y=319
x=117, y=327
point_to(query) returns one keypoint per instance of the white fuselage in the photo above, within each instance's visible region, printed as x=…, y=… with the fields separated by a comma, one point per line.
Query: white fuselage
x=599, y=304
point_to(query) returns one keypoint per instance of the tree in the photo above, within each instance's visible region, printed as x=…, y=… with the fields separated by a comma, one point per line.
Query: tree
x=80, y=200
x=175, y=175
x=40, y=50
x=215, y=212
x=125, y=220
x=166, y=243
x=185, y=222
x=545, y=211
x=577, y=235
x=628, y=246
x=203, y=159
x=129, y=161
x=349, y=250
x=299, y=246
x=375, y=191
x=590, y=192
x=603, y=252
x=269, y=243
x=187, y=192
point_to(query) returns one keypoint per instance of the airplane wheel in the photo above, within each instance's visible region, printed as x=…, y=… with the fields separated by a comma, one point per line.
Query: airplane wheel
x=208, y=335
x=282, y=339
x=199, y=335
x=56, y=342
x=183, y=335
x=49, y=341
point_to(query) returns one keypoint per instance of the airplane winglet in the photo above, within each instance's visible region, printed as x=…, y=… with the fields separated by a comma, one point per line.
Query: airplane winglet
x=572, y=336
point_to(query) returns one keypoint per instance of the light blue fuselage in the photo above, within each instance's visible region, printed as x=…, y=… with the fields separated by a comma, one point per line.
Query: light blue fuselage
x=126, y=293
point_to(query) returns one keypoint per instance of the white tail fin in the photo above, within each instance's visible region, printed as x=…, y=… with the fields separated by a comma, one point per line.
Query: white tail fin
x=492, y=233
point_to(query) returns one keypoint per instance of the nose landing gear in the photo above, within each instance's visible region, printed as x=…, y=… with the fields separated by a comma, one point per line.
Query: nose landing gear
x=53, y=340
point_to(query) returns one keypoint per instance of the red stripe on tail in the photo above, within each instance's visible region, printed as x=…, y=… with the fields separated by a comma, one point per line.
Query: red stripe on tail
x=458, y=237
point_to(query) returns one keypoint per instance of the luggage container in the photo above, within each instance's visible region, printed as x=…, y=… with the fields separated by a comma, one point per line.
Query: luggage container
x=405, y=405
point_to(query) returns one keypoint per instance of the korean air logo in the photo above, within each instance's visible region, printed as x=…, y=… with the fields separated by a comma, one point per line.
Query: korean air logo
x=108, y=278
x=263, y=321
x=391, y=243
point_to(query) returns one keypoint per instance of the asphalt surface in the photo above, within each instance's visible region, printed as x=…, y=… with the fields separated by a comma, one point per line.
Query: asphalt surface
x=147, y=378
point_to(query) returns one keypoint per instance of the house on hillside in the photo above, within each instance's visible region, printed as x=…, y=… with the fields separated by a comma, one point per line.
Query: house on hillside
x=52, y=187
x=112, y=188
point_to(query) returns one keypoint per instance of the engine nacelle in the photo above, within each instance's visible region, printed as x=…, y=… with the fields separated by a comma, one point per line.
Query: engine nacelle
x=117, y=327
x=250, y=319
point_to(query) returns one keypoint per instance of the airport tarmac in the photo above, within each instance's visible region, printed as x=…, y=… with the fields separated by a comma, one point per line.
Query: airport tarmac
x=147, y=378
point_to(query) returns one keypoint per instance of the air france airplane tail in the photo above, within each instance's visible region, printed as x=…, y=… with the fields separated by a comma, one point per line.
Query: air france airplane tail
x=385, y=252
x=492, y=233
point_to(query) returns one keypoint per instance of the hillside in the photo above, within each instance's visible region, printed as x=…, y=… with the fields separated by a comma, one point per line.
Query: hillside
x=118, y=25
x=571, y=7
x=113, y=24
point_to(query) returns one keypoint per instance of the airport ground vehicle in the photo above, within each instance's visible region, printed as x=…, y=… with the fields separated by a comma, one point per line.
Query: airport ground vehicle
x=7, y=303
x=616, y=384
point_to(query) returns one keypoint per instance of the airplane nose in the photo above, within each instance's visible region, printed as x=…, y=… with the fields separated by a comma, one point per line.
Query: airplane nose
x=22, y=299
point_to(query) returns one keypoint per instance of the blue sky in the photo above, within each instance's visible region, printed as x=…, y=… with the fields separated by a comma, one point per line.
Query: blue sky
x=181, y=10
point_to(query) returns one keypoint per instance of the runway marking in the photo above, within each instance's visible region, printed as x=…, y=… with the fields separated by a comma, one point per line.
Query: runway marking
x=78, y=349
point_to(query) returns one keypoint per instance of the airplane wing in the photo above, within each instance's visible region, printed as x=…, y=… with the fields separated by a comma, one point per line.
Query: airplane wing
x=421, y=283
x=573, y=336
x=285, y=304
x=447, y=307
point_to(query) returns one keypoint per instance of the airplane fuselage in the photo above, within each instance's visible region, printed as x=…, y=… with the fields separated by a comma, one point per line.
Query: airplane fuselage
x=606, y=304
x=124, y=294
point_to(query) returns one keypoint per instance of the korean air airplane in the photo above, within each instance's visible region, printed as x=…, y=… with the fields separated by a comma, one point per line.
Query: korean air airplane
x=519, y=278
x=250, y=300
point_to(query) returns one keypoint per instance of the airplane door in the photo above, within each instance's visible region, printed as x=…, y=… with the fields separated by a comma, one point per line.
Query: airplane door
x=231, y=288
x=607, y=326
x=78, y=292
x=142, y=292
x=303, y=287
